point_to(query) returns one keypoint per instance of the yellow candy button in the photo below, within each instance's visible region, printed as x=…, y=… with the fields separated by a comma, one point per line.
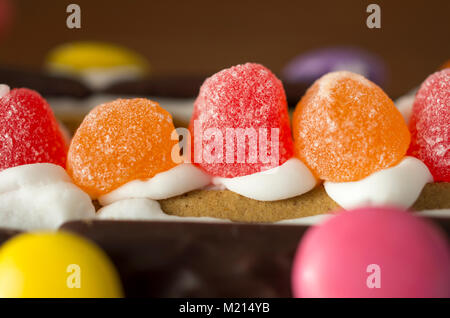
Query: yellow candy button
x=56, y=264
x=81, y=56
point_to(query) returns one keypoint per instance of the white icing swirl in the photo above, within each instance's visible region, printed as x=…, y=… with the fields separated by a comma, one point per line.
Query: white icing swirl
x=40, y=196
x=144, y=210
x=306, y=220
x=405, y=106
x=400, y=186
x=4, y=90
x=290, y=179
x=99, y=78
x=178, y=180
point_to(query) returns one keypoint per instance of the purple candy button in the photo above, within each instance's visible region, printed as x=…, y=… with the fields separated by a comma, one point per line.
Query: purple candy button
x=308, y=67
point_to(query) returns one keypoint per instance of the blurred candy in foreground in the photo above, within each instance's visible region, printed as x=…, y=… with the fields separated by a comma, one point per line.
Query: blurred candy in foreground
x=41, y=265
x=372, y=252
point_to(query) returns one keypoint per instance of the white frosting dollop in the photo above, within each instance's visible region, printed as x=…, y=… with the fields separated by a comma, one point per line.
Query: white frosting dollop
x=290, y=179
x=144, y=210
x=320, y=218
x=178, y=180
x=400, y=186
x=440, y=213
x=4, y=90
x=307, y=220
x=100, y=77
x=40, y=196
x=405, y=104
x=150, y=210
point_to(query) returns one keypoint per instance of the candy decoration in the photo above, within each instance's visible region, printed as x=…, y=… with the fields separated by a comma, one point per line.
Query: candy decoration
x=372, y=252
x=346, y=128
x=445, y=65
x=430, y=125
x=42, y=265
x=118, y=142
x=242, y=97
x=97, y=65
x=308, y=67
x=29, y=132
x=80, y=56
x=5, y=16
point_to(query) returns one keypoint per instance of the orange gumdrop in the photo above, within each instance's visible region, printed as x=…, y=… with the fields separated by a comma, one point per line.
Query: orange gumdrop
x=346, y=128
x=118, y=142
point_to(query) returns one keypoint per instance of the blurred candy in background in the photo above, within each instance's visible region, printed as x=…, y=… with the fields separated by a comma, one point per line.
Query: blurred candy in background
x=184, y=39
x=97, y=64
x=309, y=66
x=6, y=14
x=446, y=64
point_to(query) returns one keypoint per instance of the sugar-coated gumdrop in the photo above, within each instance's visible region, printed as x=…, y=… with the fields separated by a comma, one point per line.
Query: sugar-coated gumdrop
x=29, y=132
x=118, y=142
x=244, y=98
x=430, y=125
x=372, y=252
x=346, y=128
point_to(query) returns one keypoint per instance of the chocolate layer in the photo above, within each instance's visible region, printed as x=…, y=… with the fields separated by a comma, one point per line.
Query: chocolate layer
x=46, y=85
x=164, y=86
x=184, y=87
x=294, y=92
x=164, y=259
x=174, y=86
x=6, y=234
x=182, y=259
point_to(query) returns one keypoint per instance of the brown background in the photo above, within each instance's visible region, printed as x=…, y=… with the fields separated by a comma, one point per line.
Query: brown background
x=204, y=36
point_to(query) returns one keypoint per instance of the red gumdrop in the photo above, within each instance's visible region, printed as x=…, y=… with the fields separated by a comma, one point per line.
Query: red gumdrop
x=240, y=124
x=29, y=132
x=430, y=125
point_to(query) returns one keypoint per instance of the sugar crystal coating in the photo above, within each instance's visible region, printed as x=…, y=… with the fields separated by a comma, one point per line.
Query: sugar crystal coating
x=29, y=132
x=430, y=125
x=346, y=128
x=245, y=96
x=118, y=142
